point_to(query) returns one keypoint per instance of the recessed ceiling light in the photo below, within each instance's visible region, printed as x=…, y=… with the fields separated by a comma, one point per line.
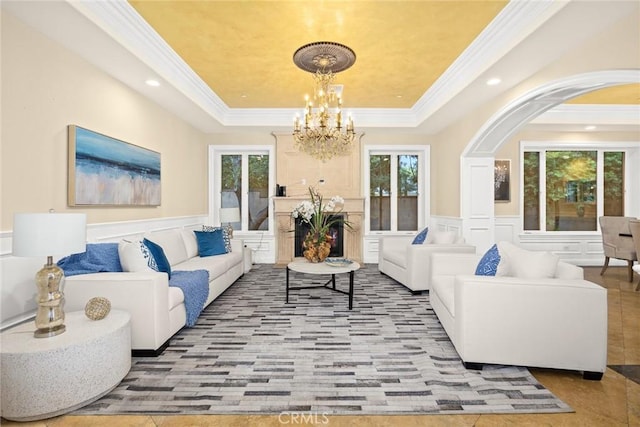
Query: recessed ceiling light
x=590, y=127
x=152, y=82
x=494, y=81
x=244, y=95
x=398, y=96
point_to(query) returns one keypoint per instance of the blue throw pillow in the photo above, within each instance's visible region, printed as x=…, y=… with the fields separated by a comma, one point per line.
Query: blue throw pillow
x=161, y=261
x=210, y=242
x=420, y=237
x=488, y=265
x=225, y=235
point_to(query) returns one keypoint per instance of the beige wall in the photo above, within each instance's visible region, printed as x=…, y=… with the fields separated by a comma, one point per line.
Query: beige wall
x=45, y=87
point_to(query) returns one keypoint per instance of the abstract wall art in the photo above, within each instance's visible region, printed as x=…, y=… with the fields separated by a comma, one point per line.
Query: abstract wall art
x=107, y=171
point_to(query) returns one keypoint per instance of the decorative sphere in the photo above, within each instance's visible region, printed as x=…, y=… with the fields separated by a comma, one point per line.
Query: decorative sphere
x=97, y=308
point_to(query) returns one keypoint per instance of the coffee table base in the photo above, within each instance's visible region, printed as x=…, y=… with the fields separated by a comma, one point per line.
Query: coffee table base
x=331, y=285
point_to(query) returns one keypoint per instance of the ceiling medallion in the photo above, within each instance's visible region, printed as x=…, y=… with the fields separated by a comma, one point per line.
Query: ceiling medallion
x=322, y=133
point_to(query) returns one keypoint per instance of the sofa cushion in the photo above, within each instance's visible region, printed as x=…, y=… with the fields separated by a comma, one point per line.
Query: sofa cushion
x=488, y=265
x=161, y=261
x=135, y=256
x=210, y=243
x=215, y=265
x=527, y=264
x=172, y=244
x=190, y=243
x=225, y=235
x=420, y=237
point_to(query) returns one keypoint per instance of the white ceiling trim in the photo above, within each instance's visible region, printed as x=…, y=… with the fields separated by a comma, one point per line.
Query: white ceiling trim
x=513, y=24
x=123, y=23
x=567, y=114
x=513, y=116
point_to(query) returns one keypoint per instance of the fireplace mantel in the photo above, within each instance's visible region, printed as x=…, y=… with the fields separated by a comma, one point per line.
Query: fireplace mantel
x=353, y=211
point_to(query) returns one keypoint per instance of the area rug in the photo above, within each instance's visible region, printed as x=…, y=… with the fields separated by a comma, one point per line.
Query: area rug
x=251, y=353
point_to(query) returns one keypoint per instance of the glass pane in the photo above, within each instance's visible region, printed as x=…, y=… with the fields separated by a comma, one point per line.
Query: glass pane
x=531, y=193
x=231, y=175
x=614, y=183
x=379, y=192
x=571, y=190
x=407, y=192
x=258, y=192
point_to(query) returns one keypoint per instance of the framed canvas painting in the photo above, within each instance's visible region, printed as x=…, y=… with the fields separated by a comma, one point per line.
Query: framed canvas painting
x=105, y=171
x=502, y=181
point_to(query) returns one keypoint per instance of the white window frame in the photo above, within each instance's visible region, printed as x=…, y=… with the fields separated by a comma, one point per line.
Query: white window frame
x=215, y=183
x=424, y=187
x=631, y=176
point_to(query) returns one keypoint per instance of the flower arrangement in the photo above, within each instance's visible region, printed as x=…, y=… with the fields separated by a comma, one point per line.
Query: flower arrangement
x=320, y=217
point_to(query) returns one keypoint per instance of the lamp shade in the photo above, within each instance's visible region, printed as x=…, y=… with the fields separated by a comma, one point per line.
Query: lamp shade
x=49, y=234
x=229, y=215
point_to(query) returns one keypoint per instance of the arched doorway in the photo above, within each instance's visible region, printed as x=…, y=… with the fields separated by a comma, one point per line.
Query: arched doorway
x=477, y=160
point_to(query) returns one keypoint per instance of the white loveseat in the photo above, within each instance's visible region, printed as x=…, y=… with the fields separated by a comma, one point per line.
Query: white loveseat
x=556, y=322
x=410, y=264
x=157, y=309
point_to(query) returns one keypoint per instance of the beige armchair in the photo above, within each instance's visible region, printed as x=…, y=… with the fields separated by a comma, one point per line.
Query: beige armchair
x=617, y=241
x=634, y=226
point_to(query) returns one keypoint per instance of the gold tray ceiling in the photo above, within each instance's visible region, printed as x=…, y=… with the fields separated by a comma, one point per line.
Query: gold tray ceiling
x=243, y=49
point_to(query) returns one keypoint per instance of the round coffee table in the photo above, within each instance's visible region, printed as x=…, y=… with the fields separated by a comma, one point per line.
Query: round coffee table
x=323, y=268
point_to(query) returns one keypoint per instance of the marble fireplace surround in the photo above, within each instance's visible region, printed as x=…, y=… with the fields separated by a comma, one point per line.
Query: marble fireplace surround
x=353, y=211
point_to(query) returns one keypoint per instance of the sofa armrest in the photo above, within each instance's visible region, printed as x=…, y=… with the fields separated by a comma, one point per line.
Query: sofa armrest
x=564, y=270
x=533, y=322
x=144, y=295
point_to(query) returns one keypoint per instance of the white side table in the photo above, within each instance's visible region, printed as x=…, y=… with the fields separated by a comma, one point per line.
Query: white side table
x=46, y=377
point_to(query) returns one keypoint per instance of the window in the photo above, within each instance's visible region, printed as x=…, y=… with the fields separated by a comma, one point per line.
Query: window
x=569, y=187
x=242, y=179
x=394, y=181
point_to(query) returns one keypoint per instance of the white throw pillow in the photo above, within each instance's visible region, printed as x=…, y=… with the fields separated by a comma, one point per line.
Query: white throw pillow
x=518, y=262
x=134, y=256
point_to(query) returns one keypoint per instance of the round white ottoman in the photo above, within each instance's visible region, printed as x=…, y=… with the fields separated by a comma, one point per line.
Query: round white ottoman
x=46, y=377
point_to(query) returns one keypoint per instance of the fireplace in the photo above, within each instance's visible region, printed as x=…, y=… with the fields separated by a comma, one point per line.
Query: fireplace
x=351, y=238
x=336, y=231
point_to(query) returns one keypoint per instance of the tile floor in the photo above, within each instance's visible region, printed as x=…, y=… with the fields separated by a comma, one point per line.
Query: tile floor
x=614, y=401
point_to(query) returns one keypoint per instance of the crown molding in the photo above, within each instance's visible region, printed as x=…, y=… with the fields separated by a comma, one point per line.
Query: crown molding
x=513, y=24
x=199, y=105
x=513, y=116
x=601, y=114
x=123, y=23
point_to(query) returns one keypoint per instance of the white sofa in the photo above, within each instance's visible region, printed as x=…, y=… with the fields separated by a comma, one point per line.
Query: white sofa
x=157, y=309
x=558, y=322
x=410, y=264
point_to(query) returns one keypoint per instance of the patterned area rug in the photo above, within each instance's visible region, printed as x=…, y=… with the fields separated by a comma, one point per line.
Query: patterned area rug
x=252, y=353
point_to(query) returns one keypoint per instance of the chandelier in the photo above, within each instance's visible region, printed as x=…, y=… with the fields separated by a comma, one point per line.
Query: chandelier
x=323, y=132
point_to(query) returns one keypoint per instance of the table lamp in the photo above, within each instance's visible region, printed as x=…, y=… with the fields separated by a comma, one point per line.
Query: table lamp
x=49, y=234
x=229, y=215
